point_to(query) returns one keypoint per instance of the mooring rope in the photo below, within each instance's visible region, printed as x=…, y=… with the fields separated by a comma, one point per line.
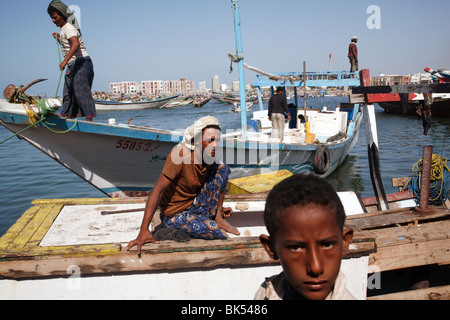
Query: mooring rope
x=439, y=180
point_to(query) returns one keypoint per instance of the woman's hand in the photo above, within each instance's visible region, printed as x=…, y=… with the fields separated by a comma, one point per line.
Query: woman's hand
x=143, y=238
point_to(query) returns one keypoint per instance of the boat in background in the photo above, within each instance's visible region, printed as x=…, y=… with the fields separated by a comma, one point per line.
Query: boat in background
x=237, y=108
x=111, y=105
x=440, y=106
x=412, y=103
x=126, y=160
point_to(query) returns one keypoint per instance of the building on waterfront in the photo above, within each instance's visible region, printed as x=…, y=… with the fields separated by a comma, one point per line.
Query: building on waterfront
x=390, y=79
x=153, y=87
x=215, y=84
x=395, y=79
x=235, y=86
x=125, y=87
x=202, y=86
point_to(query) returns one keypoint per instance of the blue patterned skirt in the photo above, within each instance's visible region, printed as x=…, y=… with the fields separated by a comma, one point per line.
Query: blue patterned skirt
x=198, y=220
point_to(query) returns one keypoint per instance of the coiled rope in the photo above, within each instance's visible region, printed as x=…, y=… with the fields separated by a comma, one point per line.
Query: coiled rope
x=44, y=108
x=439, y=180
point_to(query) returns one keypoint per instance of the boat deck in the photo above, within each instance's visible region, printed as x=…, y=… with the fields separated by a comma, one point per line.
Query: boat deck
x=391, y=240
x=26, y=248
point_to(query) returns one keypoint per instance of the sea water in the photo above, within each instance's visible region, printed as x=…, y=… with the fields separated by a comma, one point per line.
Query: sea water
x=27, y=174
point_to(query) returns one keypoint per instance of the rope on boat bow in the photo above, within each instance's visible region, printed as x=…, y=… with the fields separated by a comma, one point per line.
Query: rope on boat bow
x=45, y=106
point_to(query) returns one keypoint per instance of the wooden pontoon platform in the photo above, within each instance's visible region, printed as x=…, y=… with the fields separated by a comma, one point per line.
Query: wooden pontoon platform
x=34, y=264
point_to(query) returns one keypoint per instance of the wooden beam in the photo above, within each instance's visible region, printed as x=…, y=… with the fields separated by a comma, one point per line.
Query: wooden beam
x=410, y=246
x=167, y=256
x=400, y=89
x=435, y=293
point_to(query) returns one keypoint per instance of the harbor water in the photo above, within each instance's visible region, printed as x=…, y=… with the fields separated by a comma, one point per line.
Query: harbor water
x=27, y=174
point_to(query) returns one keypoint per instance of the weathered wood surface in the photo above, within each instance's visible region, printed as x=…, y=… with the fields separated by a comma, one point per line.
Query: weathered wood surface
x=393, y=240
x=435, y=293
x=21, y=256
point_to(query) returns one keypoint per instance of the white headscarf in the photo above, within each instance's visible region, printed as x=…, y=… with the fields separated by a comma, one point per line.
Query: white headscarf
x=198, y=128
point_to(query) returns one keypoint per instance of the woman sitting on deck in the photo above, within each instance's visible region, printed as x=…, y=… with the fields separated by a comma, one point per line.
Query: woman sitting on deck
x=191, y=188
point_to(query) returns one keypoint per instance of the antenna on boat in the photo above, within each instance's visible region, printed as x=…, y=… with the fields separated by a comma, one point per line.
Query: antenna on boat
x=240, y=57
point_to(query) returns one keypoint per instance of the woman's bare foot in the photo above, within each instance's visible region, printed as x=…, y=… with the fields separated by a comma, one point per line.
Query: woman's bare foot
x=224, y=225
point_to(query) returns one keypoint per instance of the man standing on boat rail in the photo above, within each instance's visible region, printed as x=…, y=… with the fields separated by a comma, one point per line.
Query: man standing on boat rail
x=191, y=188
x=77, y=96
x=353, y=55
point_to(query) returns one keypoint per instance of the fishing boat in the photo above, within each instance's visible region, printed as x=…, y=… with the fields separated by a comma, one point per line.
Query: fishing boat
x=237, y=108
x=126, y=160
x=440, y=106
x=199, y=102
x=232, y=99
x=111, y=105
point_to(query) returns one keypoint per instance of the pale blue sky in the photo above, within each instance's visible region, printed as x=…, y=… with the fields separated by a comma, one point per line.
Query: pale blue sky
x=138, y=40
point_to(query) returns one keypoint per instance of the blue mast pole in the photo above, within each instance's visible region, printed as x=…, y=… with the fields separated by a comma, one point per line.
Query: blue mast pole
x=240, y=56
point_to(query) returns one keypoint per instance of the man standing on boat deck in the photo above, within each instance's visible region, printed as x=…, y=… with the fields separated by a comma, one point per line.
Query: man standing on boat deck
x=191, y=188
x=278, y=111
x=77, y=100
x=353, y=55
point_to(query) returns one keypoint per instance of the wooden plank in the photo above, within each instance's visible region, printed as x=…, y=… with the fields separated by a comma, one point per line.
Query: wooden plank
x=89, y=201
x=7, y=240
x=406, y=88
x=399, y=182
x=381, y=219
x=409, y=255
x=410, y=246
x=150, y=261
x=27, y=253
x=392, y=197
x=32, y=226
x=45, y=226
x=434, y=293
x=130, y=262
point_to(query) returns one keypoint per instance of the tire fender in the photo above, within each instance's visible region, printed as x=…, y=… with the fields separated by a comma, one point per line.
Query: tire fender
x=322, y=160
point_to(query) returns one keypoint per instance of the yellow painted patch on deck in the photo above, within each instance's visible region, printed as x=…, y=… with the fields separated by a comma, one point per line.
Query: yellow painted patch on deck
x=261, y=183
x=22, y=240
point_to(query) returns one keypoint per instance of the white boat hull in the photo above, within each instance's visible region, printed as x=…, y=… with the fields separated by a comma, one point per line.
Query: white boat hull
x=125, y=160
x=103, y=105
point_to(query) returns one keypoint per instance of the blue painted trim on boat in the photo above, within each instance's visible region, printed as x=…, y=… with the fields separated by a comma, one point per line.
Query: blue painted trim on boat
x=143, y=133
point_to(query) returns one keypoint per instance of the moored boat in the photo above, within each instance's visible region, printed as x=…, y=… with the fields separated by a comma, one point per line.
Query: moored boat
x=440, y=106
x=113, y=157
x=110, y=105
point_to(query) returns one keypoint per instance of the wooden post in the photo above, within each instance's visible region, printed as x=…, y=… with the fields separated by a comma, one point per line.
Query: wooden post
x=304, y=85
x=372, y=147
x=425, y=181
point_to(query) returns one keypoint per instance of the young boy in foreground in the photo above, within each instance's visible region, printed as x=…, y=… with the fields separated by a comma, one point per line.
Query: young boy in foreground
x=305, y=220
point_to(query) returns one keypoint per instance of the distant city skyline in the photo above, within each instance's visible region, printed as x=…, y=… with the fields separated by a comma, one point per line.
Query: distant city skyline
x=182, y=39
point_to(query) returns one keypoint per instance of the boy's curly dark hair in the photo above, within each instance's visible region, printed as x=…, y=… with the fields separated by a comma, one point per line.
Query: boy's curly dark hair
x=301, y=189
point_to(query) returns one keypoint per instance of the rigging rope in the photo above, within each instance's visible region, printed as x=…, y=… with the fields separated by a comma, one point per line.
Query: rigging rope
x=439, y=180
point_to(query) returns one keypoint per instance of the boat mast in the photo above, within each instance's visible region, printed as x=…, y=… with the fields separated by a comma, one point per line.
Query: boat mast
x=240, y=57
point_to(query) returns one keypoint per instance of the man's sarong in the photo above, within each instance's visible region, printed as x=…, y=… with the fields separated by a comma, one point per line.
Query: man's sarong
x=78, y=100
x=198, y=220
